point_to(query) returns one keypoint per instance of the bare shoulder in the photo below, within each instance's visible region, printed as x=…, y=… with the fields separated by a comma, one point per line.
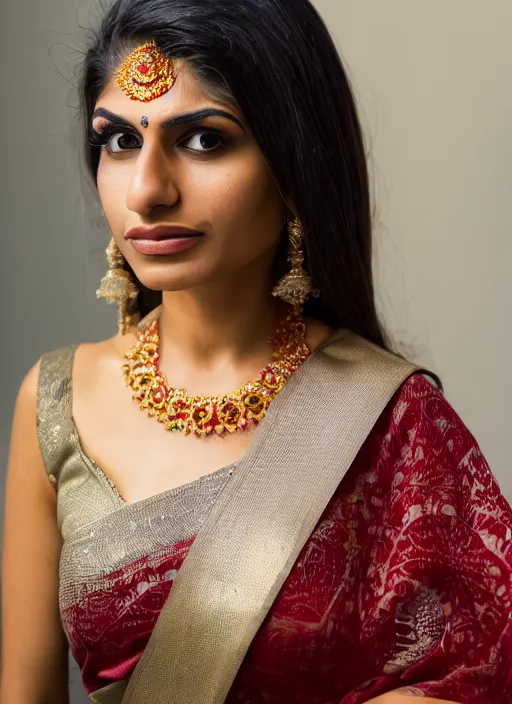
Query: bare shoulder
x=96, y=358
x=27, y=394
x=89, y=358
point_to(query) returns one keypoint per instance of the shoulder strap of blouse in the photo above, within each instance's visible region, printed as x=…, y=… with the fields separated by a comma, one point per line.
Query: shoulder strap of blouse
x=54, y=409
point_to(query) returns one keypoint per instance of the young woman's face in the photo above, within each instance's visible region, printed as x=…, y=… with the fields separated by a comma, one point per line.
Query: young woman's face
x=202, y=172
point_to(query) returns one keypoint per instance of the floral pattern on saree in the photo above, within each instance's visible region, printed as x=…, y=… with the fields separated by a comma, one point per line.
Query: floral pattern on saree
x=405, y=582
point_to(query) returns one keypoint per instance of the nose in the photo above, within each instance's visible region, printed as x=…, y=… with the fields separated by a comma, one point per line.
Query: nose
x=152, y=183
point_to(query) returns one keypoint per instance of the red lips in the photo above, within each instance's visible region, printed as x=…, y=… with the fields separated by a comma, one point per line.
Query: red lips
x=162, y=232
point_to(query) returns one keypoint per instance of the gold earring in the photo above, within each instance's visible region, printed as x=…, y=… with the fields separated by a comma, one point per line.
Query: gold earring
x=295, y=287
x=118, y=287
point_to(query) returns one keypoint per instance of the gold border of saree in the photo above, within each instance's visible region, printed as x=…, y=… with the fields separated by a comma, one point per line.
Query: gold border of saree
x=257, y=528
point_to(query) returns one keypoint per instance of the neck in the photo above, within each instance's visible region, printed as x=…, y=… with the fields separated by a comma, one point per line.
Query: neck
x=219, y=321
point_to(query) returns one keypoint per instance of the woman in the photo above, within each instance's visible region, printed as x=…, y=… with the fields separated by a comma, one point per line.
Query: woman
x=330, y=530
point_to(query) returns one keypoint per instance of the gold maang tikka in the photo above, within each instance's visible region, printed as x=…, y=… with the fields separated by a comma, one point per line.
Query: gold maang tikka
x=118, y=287
x=146, y=74
x=295, y=287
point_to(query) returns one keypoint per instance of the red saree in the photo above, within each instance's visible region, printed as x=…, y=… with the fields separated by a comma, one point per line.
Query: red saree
x=406, y=580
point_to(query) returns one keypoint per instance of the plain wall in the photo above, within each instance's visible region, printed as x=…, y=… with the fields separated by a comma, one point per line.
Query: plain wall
x=433, y=80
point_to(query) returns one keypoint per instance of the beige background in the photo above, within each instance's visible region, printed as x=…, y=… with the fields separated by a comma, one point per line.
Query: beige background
x=434, y=81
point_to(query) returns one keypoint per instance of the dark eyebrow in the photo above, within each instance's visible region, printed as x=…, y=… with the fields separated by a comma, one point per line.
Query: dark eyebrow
x=101, y=112
x=173, y=121
x=200, y=115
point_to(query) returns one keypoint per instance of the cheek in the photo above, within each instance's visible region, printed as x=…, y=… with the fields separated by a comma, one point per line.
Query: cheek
x=245, y=204
x=112, y=184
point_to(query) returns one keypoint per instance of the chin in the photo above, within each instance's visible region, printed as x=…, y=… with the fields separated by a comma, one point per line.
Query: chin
x=171, y=278
x=168, y=283
x=172, y=275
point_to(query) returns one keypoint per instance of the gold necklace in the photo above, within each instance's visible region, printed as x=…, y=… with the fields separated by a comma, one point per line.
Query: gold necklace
x=204, y=415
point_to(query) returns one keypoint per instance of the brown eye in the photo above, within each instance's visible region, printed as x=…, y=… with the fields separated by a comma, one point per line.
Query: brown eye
x=123, y=142
x=205, y=141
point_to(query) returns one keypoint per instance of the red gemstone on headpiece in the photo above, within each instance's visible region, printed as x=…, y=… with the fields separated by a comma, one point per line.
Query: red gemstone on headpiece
x=143, y=68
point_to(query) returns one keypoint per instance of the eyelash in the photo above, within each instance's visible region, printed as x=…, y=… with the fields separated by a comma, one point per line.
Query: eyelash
x=102, y=139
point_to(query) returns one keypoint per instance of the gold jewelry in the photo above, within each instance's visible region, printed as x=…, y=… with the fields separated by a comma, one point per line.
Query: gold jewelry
x=296, y=286
x=146, y=74
x=118, y=287
x=205, y=415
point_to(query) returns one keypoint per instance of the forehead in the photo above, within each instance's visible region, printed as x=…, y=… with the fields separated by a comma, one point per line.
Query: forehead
x=187, y=94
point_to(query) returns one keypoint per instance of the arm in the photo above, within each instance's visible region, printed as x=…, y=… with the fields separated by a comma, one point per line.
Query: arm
x=34, y=648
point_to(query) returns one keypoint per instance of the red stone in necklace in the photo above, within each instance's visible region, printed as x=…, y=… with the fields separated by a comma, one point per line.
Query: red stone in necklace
x=204, y=415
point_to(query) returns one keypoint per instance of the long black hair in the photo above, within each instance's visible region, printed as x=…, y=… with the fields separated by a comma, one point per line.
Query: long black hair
x=276, y=59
